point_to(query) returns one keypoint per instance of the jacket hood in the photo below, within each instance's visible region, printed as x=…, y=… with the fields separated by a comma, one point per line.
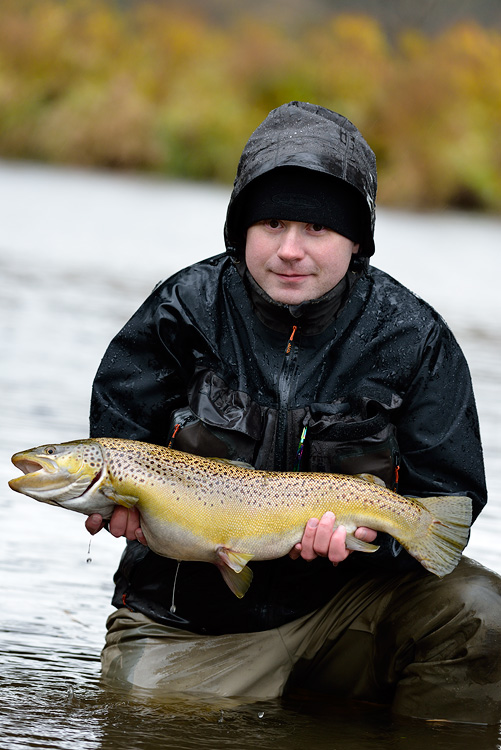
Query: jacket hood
x=300, y=134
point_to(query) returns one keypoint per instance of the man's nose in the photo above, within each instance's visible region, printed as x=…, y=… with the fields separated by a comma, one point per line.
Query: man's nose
x=291, y=245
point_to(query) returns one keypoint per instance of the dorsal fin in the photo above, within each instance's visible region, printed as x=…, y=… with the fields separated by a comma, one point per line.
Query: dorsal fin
x=229, y=462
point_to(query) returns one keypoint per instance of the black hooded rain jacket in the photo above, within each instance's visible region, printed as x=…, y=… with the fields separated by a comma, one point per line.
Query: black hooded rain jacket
x=211, y=363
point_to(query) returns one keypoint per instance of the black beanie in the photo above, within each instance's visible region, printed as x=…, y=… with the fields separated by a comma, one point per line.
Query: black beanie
x=299, y=194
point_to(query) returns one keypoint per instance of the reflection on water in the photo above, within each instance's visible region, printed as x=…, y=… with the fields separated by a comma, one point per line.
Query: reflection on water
x=78, y=253
x=94, y=718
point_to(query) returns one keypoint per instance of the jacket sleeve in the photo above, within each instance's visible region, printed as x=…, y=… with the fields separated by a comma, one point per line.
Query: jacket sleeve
x=139, y=380
x=438, y=430
x=440, y=452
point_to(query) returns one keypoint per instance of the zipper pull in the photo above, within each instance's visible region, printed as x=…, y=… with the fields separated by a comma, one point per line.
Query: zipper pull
x=289, y=343
x=176, y=430
x=396, y=461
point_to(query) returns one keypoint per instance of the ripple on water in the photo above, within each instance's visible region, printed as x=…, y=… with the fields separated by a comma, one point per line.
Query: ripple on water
x=63, y=294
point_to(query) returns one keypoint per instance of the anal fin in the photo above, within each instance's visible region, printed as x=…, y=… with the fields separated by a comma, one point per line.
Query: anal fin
x=358, y=545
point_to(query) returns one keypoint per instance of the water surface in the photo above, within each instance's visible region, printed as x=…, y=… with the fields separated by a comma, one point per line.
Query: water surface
x=79, y=251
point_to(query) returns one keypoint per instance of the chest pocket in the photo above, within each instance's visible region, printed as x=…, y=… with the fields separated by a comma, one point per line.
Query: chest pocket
x=345, y=437
x=352, y=438
x=218, y=421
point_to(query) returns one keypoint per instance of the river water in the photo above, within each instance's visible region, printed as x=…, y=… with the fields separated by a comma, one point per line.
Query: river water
x=78, y=253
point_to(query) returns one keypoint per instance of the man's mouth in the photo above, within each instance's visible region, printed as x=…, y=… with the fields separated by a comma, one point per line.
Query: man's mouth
x=292, y=276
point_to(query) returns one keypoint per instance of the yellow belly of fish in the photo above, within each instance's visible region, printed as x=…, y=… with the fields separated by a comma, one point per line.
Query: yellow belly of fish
x=262, y=517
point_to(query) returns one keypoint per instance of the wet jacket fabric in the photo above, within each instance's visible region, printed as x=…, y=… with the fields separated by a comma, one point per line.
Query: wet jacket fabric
x=213, y=366
x=366, y=379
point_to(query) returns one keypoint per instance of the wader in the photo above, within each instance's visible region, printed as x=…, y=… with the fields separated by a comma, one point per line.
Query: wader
x=414, y=641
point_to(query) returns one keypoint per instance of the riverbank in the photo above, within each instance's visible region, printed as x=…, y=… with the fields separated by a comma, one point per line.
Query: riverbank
x=157, y=87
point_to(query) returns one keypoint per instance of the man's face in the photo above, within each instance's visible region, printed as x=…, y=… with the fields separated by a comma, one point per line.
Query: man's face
x=294, y=262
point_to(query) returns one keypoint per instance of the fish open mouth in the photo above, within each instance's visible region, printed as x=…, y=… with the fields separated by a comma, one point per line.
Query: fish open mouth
x=44, y=479
x=27, y=466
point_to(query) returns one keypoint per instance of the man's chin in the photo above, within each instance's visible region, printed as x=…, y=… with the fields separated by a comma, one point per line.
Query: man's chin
x=291, y=299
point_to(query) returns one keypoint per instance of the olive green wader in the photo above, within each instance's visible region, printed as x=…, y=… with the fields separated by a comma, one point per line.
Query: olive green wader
x=429, y=647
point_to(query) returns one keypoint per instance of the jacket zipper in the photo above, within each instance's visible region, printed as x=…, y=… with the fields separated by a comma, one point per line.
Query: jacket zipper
x=284, y=390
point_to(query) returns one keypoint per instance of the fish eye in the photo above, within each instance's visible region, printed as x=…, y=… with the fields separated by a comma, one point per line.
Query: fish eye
x=50, y=450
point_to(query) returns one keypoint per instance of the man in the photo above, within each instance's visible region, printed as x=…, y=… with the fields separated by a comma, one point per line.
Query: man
x=290, y=353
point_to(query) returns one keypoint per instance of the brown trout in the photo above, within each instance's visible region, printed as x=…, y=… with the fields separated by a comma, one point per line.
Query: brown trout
x=226, y=513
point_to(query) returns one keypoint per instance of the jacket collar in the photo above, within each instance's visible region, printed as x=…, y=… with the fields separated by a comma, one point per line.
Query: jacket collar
x=313, y=316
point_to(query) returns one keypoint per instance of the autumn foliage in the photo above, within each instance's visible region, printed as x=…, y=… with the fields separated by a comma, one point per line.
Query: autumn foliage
x=152, y=88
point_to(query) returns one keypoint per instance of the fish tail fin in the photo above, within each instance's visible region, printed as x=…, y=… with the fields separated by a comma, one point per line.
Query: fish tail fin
x=233, y=568
x=440, y=546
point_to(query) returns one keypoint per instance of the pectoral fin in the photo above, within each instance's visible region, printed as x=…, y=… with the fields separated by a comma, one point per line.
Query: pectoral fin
x=233, y=567
x=128, y=501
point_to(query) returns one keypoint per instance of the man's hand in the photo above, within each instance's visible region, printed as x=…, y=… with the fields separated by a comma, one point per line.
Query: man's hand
x=320, y=539
x=124, y=522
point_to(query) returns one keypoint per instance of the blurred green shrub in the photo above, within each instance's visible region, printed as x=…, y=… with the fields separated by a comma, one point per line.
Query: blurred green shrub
x=153, y=88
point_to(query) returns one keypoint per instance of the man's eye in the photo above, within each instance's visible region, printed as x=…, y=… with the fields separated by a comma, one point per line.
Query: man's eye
x=273, y=223
x=317, y=227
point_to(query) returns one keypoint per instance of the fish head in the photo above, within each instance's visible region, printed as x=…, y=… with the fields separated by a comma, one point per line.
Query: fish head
x=64, y=474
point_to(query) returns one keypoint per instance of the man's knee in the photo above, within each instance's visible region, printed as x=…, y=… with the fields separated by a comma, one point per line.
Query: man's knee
x=468, y=597
x=437, y=645
x=475, y=595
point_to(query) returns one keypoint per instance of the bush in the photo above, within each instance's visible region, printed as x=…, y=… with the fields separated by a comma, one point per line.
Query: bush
x=152, y=88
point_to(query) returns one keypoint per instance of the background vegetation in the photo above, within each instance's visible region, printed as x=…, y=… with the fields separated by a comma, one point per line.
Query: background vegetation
x=153, y=87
